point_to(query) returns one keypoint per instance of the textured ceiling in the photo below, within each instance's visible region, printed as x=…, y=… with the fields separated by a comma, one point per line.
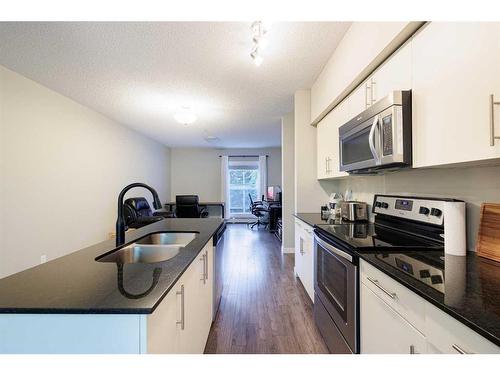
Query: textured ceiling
x=139, y=74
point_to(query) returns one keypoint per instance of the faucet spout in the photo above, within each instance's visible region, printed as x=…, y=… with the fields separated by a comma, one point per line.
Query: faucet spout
x=120, y=221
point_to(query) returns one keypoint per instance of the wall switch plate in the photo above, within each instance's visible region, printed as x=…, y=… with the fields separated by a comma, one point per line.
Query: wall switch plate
x=43, y=259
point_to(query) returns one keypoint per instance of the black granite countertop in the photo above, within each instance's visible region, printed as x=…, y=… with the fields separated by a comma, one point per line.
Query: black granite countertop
x=76, y=283
x=471, y=288
x=313, y=219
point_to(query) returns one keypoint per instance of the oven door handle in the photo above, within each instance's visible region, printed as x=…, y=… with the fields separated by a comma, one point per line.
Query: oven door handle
x=371, y=140
x=332, y=249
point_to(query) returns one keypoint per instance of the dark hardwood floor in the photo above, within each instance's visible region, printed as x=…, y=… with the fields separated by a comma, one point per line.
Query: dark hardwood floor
x=264, y=308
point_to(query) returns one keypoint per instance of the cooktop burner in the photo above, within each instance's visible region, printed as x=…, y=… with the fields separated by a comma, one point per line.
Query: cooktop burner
x=367, y=236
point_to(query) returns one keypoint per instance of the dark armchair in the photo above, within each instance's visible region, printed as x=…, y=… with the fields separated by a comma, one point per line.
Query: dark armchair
x=258, y=209
x=138, y=213
x=188, y=206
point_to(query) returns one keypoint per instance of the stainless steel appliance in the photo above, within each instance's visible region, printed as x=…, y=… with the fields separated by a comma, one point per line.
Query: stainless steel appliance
x=379, y=137
x=407, y=233
x=336, y=295
x=354, y=211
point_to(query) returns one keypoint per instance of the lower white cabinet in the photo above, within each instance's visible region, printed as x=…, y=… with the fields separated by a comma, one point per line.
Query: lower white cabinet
x=181, y=322
x=393, y=319
x=383, y=330
x=304, y=256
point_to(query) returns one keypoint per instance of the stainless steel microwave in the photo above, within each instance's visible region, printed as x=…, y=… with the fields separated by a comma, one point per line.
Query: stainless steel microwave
x=378, y=138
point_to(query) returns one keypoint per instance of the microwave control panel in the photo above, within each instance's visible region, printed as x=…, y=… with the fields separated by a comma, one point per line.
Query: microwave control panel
x=424, y=210
x=387, y=148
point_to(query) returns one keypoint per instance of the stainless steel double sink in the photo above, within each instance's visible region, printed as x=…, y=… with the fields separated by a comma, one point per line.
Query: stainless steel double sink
x=156, y=247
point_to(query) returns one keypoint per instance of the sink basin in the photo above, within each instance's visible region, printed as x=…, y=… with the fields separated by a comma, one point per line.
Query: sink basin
x=137, y=253
x=168, y=238
x=156, y=247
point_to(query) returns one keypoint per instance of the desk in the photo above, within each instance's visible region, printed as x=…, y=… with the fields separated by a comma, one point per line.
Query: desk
x=274, y=214
x=170, y=205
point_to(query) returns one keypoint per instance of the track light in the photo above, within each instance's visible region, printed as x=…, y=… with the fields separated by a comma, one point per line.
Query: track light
x=260, y=41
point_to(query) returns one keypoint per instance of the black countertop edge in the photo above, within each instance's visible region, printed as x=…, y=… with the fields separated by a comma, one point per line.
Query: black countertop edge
x=427, y=296
x=77, y=284
x=313, y=218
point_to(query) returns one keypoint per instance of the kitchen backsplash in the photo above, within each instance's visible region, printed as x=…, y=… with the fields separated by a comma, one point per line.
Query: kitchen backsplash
x=474, y=185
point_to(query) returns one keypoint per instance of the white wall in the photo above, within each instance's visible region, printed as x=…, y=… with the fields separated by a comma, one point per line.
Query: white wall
x=62, y=166
x=288, y=182
x=309, y=196
x=474, y=185
x=197, y=170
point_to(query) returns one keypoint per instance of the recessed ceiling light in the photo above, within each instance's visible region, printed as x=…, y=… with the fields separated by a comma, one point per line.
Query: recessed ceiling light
x=185, y=116
x=211, y=139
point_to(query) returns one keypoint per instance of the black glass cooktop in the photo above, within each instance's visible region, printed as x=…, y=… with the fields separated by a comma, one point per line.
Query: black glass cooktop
x=367, y=236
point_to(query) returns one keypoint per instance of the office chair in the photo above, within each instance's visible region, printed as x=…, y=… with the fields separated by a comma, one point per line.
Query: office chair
x=188, y=206
x=138, y=213
x=259, y=211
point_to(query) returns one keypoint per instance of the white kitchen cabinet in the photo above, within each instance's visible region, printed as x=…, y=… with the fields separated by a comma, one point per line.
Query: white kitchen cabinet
x=447, y=335
x=383, y=330
x=322, y=147
x=393, y=319
x=328, y=142
x=455, y=69
x=394, y=74
x=181, y=322
x=304, y=257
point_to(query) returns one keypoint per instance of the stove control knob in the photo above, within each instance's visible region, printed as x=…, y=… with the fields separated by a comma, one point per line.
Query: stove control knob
x=424, y=211
x=378, y=204
x=384, y=205
x=436, y=212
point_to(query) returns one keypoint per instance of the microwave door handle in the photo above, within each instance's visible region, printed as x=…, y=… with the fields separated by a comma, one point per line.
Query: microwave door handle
x=371, y=140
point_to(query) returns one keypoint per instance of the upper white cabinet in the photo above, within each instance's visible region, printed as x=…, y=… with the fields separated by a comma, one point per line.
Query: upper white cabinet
x=328, y=158
x=455, y=69
x=363, y=47
x=394, y=74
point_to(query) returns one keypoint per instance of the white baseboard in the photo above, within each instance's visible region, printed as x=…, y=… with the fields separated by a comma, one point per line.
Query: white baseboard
x=287, y=250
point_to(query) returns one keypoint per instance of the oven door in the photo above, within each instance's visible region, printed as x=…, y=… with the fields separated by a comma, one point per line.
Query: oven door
x=335, y=283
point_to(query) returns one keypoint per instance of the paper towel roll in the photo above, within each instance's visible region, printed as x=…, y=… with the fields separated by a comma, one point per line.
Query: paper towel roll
x=454, y=228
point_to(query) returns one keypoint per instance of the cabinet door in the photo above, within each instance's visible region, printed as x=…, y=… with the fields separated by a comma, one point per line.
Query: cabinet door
x=394, y=74
x=163, y=330
x=383, y=330
x=359, y=100
x=307, y=261
x=322, y=145
x=328, y=140
x=455, y=69
x=299, y=249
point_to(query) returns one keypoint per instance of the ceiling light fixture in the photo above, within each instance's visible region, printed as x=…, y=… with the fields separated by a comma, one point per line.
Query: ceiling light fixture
x=185, y=116
x=260, y=41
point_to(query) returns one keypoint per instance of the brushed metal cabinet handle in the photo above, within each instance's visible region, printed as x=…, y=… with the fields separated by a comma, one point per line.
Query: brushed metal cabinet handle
x=204, y=268
x=459, y=349
x=206, y=265
x=493, y=103
x=367, y=90
x=377, y=284
x=181, y=293
x=374, y=99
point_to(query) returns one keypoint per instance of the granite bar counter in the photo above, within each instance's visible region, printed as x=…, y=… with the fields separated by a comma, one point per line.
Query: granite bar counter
x=78, y=284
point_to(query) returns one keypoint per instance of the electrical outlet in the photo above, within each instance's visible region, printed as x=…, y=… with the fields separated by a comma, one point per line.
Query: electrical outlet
x=43, y=259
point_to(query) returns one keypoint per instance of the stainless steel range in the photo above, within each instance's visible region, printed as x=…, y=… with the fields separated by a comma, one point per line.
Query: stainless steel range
x=407, y=234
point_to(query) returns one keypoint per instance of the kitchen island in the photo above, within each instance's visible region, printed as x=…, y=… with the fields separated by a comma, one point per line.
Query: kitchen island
x=75, y=304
